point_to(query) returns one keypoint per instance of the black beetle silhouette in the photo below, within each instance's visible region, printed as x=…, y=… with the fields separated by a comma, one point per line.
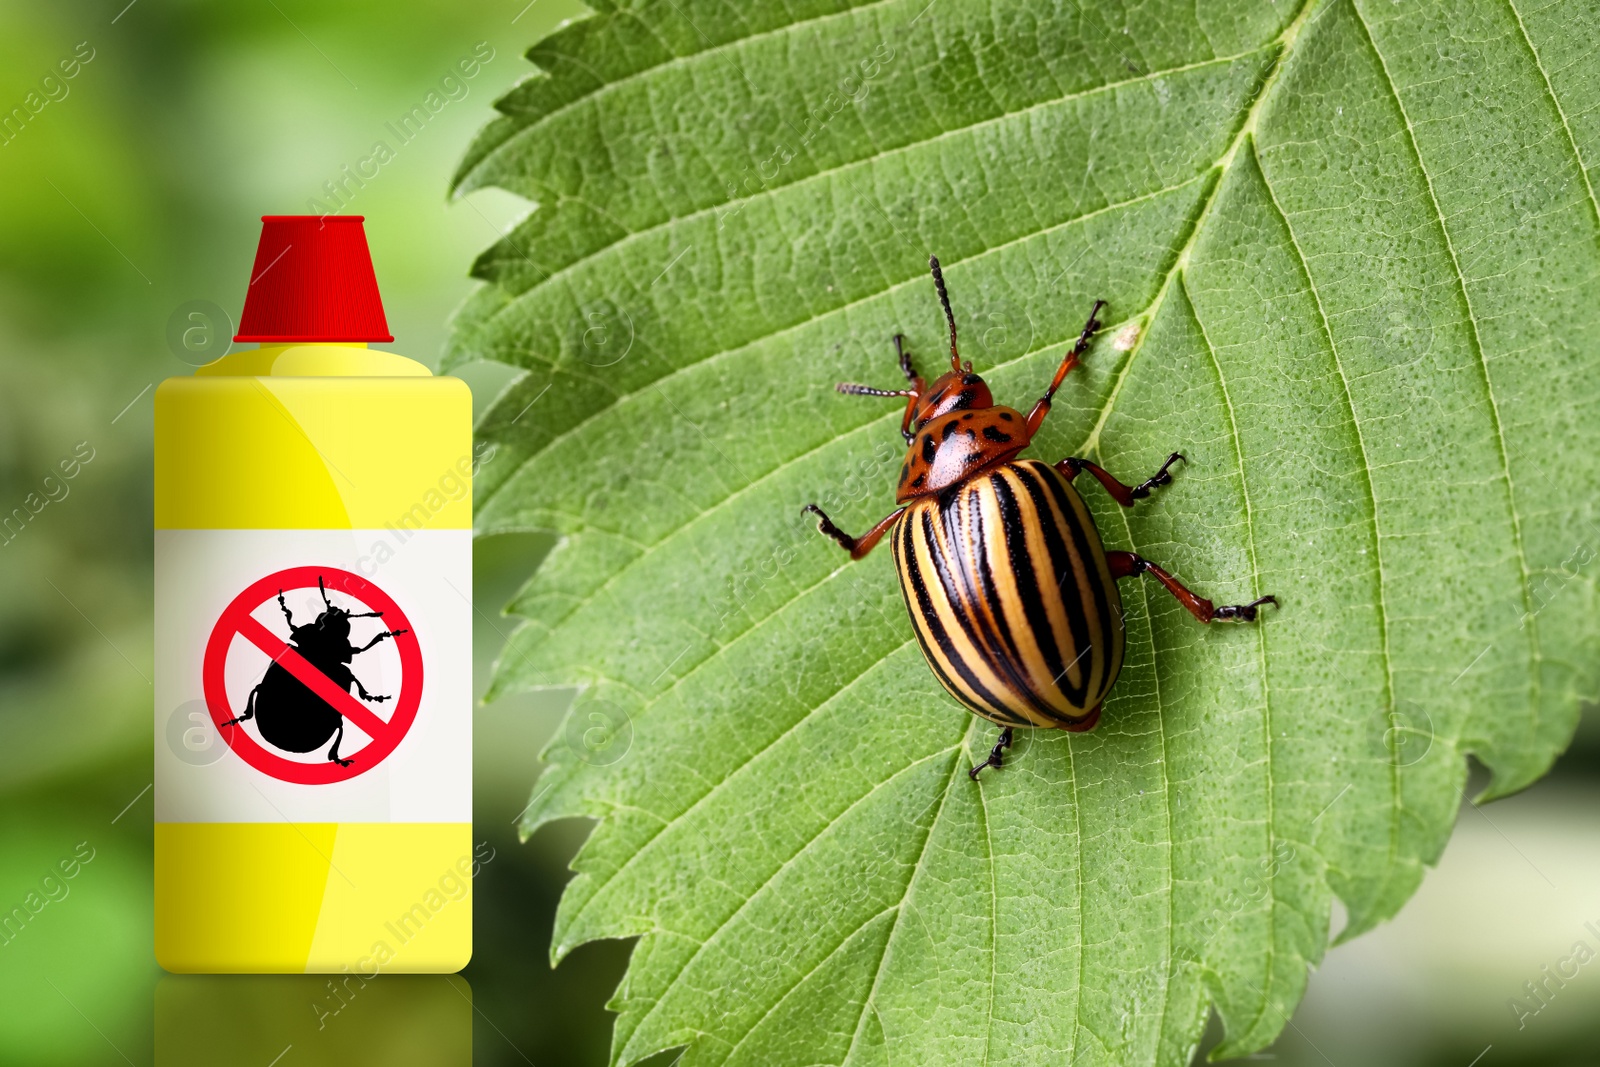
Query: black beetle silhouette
x=289, y=715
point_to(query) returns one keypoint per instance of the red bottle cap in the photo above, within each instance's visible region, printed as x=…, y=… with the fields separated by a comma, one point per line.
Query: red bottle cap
x=312, y=282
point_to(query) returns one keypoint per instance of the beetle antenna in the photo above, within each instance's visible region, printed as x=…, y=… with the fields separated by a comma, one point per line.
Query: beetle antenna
x=949, y=316
x=324, y=590
x=852, y=389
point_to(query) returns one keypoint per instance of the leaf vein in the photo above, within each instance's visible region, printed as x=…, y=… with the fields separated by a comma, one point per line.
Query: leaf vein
x=1266, y=688
x=1549, y=88
x=911, y=879
x=864, y=163
x=994, y=925
x=1166, y=788
x=676, y=60
x=1380, y=581
x=1532, y=626
x=734, y=772
x=786, y=864
x=876, y=421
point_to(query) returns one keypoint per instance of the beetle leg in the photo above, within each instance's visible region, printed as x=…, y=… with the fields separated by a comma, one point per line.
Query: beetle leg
x=380, y=637
x=361, y=691
x=333, y=753
x=911, y=410
x=1122, y=494
x=917, y=386
x=1127, y=564
x=996, y=754
x=856, y=546
x=904, y=359
x=249, y=709
x=1070, y=360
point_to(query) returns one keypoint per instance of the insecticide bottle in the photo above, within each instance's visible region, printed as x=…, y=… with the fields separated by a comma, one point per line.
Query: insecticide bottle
x=313, y=573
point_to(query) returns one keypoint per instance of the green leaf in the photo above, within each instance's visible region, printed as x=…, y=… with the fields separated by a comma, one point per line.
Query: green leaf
x=1350, y=253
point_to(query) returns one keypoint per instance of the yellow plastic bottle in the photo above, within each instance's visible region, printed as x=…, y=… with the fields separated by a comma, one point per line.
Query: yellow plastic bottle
x=313, y=570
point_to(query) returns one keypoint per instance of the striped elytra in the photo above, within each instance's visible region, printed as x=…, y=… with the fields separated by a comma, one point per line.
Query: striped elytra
x=1011, y=594
x=1011, y=597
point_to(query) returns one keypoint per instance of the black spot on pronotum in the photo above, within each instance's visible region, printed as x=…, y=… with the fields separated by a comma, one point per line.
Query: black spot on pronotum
x=971, y=379
x=966, y=417
x=920, y=479
x=949, y=428
x=930, y=447
x=993, y=433
x=905, y=472
x=1005, y=416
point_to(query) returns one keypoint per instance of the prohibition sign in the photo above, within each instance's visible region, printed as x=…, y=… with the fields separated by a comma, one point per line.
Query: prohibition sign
x=237, y=621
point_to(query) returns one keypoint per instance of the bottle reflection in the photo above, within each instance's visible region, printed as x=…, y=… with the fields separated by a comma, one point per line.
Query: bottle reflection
x=307, y=1020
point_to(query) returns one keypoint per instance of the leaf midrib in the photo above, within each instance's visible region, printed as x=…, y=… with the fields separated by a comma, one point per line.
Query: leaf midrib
x=1284, y=41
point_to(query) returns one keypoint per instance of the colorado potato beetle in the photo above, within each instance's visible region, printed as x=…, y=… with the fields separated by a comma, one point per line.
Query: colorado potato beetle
x=1012, y=597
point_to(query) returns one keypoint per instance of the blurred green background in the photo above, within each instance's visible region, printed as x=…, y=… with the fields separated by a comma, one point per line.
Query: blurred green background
x=140, y=190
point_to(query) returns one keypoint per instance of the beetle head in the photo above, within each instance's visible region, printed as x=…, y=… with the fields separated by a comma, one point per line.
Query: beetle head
x=334, y=625
x=956, y=390
x=331, y=630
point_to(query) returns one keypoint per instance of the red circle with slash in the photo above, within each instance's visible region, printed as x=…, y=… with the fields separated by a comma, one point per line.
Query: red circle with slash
x=238, y=621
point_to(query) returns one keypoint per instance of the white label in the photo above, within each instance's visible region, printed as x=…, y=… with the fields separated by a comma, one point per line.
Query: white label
x=306, y=675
